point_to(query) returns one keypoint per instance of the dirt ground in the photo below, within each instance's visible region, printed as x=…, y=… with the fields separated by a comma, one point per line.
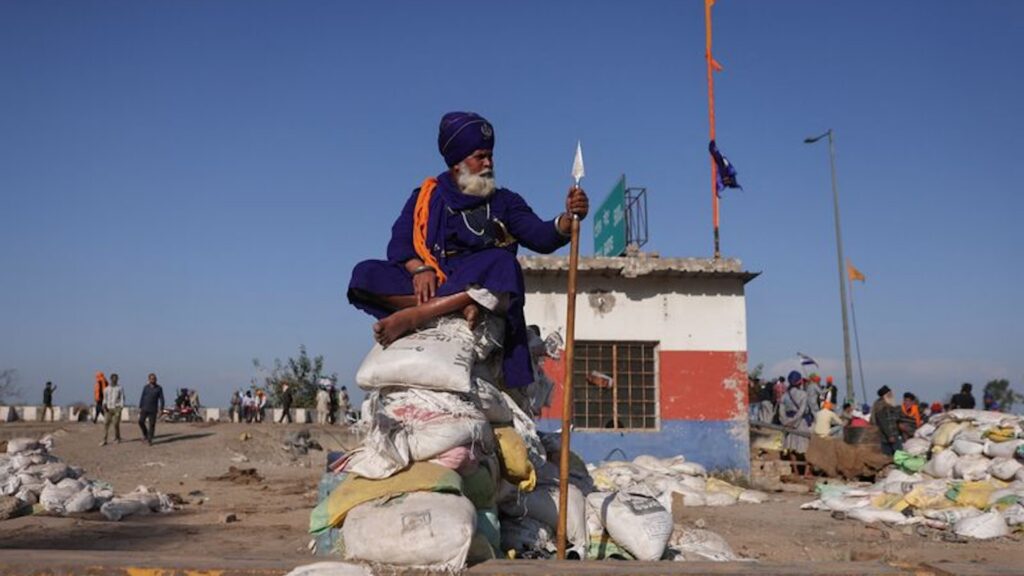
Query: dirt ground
x=273, y=513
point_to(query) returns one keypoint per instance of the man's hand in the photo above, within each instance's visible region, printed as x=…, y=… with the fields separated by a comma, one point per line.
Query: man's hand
x=577, y=203
x=424, y=285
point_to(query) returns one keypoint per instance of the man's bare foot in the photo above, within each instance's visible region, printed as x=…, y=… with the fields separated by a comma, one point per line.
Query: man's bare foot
x=395, y=326
x=472, y=314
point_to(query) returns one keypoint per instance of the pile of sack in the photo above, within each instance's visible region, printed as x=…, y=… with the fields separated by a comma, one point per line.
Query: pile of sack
x=452, y=470
x=963, y=471
x=37, y=478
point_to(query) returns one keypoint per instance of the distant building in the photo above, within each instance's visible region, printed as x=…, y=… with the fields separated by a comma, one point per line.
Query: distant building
x=677, y=330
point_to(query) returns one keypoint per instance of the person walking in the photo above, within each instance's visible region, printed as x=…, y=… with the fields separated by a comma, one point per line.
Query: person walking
x=113, y=404
x=885, y=415
x=343, y=405
x=97, y=395
x=286, y=404
x=260, y=406
x=332, y=405
x=233, y=410
x=48, y=400
x=151, y=404
x=796, y=415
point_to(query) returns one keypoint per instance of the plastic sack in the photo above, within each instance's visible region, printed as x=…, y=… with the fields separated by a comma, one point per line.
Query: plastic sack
x=951, y=516
x=19, y=445
x=972, y=467
x=965, y=447
x=637, y=522
x=53, y=496
x=491, y=401
x=421, y=529
x=119, y=508
x=941, y=465
x=983, y=526
x=542, y=505
x=1004, y=468
x=83, y=501
x=515, y=462
x=916, y=446
x=973, y=494
x=946, y=433
x=689, y=469
x=331, y=569
x=692, y=544
x=437, y=358
x=1014, y=515
x=526, y=535
x=462, y=459
x=929, y=495
x=872, y=515
x=1002, y=449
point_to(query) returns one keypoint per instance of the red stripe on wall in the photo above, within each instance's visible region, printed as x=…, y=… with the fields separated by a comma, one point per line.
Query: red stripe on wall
x=692, y=385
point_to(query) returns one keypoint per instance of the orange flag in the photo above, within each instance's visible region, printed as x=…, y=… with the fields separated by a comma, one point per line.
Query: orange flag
x=854, y=274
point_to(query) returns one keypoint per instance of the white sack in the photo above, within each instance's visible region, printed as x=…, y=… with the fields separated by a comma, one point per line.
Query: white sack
x=983, y=526
x=916, y=446
x=438, y=358
x=119, y=508
x=331, y=569
x=54, y=496
x=871, y=515
x=971, y=467
x=720, y=498
x=1002, y=449
x=490, y=401
x=19, y=445
x=1004, y=468
x=696, y=545
x=965, y=447
x=941, y=465
x=637, y=522
x=83, y=501
x=753, y=497
x=689, y=469
x=1014, y=515
x=542, y=505
x=950, y=516
x=423, y=529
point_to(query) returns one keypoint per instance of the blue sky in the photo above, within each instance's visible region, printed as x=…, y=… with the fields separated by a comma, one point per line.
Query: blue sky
x=185, y=186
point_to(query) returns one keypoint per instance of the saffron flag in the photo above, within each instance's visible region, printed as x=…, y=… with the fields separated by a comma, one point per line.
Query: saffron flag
x=854, y=274
x=726, y=171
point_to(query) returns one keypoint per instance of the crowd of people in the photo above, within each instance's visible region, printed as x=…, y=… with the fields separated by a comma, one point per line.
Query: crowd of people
x=250, y=406
x=803, y=407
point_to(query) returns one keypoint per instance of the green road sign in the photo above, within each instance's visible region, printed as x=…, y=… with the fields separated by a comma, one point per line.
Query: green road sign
x=610, y=223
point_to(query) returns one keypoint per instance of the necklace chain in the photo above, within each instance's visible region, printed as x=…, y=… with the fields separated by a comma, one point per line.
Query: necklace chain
x=471, y=229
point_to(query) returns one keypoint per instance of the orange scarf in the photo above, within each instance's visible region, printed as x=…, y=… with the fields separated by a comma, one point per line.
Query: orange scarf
x=420, y=220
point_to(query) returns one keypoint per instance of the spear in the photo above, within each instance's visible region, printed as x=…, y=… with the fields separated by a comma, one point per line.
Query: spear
x=570, y=349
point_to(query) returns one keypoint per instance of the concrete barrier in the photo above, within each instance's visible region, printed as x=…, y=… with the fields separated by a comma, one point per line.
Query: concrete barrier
x=7, y=413
x=30, y=413
x=211, y=414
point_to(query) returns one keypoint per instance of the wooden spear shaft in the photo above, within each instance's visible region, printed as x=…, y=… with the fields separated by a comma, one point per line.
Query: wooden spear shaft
x=570, y=352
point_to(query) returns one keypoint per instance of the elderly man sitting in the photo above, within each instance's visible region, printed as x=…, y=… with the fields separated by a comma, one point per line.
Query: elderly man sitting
x=453, y=248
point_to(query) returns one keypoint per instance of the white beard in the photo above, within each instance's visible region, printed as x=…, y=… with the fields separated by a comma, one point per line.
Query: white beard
x=481, y=184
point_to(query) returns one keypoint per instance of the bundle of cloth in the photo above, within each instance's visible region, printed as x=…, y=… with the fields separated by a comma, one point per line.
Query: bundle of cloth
x=38, y=479
x=963, y=471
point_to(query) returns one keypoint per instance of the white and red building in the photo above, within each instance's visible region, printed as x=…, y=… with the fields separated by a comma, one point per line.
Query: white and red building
x=661, y=355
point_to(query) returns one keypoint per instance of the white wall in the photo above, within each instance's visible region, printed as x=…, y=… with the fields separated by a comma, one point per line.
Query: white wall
x=693, y=314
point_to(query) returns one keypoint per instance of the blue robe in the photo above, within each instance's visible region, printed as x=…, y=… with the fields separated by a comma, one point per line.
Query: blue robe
x=469, y=238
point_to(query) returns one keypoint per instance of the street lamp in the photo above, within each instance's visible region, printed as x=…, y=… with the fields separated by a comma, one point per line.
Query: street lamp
x=839, y=255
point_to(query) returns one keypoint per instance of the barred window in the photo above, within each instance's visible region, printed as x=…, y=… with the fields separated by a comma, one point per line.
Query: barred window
x=615, y=385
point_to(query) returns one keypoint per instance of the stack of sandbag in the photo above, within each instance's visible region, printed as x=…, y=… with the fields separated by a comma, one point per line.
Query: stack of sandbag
x=664, y=477
x=437, y=438
x=35, y=477
x=963, y=471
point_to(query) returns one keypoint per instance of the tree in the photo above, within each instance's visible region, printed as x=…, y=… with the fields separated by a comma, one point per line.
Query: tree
x=1001, y=393
x=301, y=374
x=9, y=385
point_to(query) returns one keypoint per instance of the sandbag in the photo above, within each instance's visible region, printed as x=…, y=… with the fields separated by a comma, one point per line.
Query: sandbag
x=19, y=445
x=480, y=488
x=331, y=569
x=526, y=534
x=965, y=447
x=491, y=402
x=982, y=527
x=422, y=529
x=1002, y=449
x=972, y=467
x=462, y=459
x=436, y=422
x=1014, y=515
x=753, y=497
x=941, y=465
x=1004, y=468
x=872, y=515
x=695, y=544
x=83, y=501
x=488, y=526
x=119, y=508
x=437, y=358
x=655, y=464
x=689, y=469
x=946, y=433
x=916, y=446
x=637, y=522
x=542, y=505
x=951, y=516
x=354, y=491
x=52, y=471
x=515, y=462
x=972, y=494
x=929, y=495
x=53, y=496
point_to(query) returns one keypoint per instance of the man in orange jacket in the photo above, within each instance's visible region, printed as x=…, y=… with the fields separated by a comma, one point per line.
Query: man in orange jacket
x=97, y=395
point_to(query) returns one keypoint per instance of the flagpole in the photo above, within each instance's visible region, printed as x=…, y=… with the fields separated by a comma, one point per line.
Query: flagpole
x=856, y=340
x=570, y=354
x=711, y=120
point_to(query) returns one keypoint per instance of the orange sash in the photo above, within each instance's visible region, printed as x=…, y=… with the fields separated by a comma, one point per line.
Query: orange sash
x=420, y=220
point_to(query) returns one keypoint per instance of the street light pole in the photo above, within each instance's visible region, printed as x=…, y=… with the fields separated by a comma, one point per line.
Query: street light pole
x=839, y=255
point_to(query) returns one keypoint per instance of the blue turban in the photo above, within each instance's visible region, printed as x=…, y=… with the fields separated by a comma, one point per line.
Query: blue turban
x=794, y=378
x=461, y=134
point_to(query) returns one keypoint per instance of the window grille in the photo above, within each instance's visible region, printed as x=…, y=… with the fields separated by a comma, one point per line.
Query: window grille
x=615, y=385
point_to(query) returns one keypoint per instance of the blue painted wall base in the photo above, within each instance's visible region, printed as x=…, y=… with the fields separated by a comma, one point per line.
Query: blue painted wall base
x=713, y=444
